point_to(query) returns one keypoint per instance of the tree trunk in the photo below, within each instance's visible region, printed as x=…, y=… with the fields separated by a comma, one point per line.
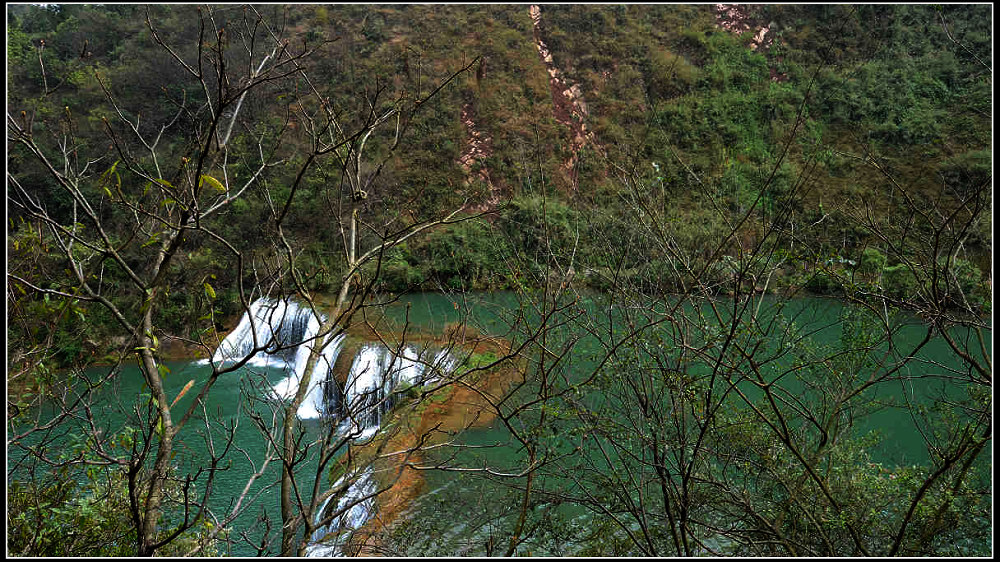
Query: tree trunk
x=289, y=513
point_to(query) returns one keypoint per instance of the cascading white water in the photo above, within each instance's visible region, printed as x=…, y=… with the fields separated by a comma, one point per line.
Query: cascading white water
x=283, y=332
x=316, y=402
x=361, y=491
x=376, y=373
x=444, y=362
x=376, y=376
x=259, y=328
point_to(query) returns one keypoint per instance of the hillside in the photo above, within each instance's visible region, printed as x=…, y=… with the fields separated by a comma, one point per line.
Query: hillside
x=679, y=168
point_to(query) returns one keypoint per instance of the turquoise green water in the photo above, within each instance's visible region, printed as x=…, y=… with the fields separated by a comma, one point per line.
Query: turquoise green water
x=818, y=322
x=452, y=498
x=483, y=503
x=232, y=396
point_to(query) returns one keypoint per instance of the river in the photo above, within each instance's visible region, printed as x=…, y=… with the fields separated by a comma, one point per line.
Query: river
x=458, y=516
x=469, y=514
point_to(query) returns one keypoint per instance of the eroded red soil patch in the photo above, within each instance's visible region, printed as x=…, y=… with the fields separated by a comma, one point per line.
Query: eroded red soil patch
x=569, y=107
x=465, y=407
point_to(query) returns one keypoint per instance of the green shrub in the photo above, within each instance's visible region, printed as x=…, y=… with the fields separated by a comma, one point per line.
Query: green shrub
x=823, y=283
x=539, y=226
x=467, y=255
x=899, y=282
x=669, y=74
x=872, y=261
x=967, y=171
x=963, y=282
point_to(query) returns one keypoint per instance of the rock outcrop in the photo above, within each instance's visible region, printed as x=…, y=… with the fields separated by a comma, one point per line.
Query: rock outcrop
x=740, y=18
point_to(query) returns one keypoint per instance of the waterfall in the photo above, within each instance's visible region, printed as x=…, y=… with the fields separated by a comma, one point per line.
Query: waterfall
x=283, y=332
x=273, y=326
x=321, y=397
x=350, y=520
x=378, y=375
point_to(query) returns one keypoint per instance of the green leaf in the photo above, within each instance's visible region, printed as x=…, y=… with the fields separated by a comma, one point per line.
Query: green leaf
x=212, y=182
x=152, y=240
x=107, y=173
x=209, y=291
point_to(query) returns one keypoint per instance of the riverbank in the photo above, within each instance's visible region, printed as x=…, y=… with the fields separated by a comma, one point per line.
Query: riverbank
x=464, y=403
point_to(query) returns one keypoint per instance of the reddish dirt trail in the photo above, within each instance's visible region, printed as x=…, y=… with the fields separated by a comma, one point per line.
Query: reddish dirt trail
x=741, y=18
x=478, y=147
x=569, y=107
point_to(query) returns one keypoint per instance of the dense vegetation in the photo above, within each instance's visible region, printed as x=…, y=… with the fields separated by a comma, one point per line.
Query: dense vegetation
x=817, y=146
x=664, y=85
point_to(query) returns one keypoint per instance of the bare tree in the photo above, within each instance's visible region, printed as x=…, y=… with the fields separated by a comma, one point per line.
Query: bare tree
x=170, y=200
x=175, y=204
x=686, y=409
x=711, y=420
